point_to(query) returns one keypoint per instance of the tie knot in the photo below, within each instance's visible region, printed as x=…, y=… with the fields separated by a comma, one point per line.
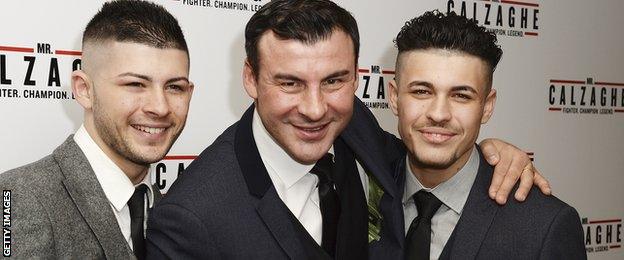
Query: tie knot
x=139, y=191
x=427, y=204
x=323, y=168
x=137, y=201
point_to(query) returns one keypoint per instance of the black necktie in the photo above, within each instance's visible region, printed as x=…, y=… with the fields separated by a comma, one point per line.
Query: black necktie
x=137, y=217
x=330, y=204
x=418, y=238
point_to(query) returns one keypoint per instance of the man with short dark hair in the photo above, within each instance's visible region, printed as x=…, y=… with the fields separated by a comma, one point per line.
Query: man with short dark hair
x=442, y=93
x=290, y=179
x=89, y=198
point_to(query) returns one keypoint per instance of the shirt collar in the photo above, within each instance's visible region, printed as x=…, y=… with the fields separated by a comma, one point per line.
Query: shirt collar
x=453, y=192
x=287, y=169
x=116, y=185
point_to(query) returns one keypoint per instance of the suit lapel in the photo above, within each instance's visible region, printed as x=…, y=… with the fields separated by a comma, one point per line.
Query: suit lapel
x=476, y=218
x=274, y=214
x=363, y=138
x=88, y=196
x=269, y=206
x=352, y=240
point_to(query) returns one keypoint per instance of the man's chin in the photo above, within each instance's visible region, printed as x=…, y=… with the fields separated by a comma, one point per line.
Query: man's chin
x=148, y=156
x=310, y=154
x=433, y=162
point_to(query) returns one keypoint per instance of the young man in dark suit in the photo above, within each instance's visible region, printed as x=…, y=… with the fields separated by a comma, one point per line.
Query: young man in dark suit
x=442, y=94
x=289, y=180
x=88, y=199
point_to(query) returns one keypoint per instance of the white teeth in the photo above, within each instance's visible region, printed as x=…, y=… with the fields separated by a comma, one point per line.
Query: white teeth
x=314, y=129
x=151, y=130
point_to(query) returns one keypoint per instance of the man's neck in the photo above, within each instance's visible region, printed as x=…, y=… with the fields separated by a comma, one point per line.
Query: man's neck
x=430, y=177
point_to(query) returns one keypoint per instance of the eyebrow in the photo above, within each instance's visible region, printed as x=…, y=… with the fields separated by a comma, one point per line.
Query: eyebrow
x=136, y=75
x=455, y=88
x=464, y=88
x=178, y=79
x=295, y=78
x=420, y=83
x=286, y=77
x=147, y=78
x=337, y=74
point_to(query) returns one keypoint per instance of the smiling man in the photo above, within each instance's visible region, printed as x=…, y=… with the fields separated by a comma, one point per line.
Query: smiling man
x=442, y=94
x=88, y=199
x=290, y=179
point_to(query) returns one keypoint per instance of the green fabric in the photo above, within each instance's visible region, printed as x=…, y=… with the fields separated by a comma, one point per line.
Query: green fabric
x=375, y=192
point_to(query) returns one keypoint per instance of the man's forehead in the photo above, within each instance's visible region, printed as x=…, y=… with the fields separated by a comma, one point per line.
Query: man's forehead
x=409, y=60
x=114, y=57
x=272, y=41
x=415, y=56
x=442, y=66
x=97, y=48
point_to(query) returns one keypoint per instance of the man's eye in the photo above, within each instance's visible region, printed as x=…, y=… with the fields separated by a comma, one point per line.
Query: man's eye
x=333, y=81
x=463, y=96
x=421, y=92
x=175, y=87
x=134, y=84
x=287, y=84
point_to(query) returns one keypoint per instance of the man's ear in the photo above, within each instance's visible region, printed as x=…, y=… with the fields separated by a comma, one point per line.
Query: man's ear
x=249, y=80
x=393, y=90
x=488, y=109
x=82, y=88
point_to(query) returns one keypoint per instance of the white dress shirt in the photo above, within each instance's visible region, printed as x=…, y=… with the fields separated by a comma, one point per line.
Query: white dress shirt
x=294, y=183
x=453, y=193
x=116, y=185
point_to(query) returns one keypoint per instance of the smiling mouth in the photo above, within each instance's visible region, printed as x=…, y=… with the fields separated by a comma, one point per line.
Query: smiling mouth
x=149, y=130
x=436, y=137
x=312, y=129
x=313, y=133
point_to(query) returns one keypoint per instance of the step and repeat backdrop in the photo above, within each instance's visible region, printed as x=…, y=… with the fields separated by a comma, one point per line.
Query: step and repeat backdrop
x=560, y=86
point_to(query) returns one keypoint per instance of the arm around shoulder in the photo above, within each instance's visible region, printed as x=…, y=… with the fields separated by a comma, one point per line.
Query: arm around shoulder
x=565, y=237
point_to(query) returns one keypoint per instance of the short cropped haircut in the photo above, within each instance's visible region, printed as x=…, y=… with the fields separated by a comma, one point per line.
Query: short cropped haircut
x=307, y=21
x=435, y=30
x=135, y=21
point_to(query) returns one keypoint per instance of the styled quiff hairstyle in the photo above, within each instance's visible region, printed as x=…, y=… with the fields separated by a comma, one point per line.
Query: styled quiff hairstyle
x=307, y=21
x=436, y=30
x=135, y=21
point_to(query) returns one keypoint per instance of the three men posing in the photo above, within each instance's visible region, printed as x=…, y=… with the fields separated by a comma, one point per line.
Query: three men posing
x=236, y=200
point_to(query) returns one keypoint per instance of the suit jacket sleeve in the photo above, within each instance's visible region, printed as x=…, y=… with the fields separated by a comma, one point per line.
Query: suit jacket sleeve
x=31, y=230
x=565, y=237
x=393, y=146
x=175, y=232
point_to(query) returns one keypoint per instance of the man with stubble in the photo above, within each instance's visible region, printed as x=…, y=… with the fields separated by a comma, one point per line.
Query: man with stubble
x=89, y=198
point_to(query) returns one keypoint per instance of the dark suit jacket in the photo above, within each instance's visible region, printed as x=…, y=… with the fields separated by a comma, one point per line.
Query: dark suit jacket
x=59, y=210
x=224, y=205
x=542, y=227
